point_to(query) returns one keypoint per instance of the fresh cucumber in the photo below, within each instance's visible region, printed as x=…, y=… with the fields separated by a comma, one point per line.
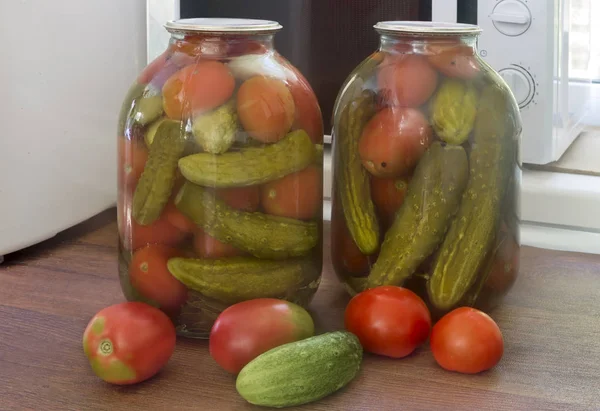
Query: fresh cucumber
x=301, y=372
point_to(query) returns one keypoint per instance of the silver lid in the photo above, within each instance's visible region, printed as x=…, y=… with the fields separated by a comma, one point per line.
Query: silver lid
x=222, y=25
x=427, y=28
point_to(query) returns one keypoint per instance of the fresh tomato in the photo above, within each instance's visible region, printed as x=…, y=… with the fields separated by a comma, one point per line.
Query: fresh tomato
x=466, y=340
x=407, y=79
x=390, y=321
x=245, y=330
x=129, y=342
x=131, y=156
x=197, y=88
x=345, y=254
x=150, y=276
x=388, y=195
x=297, y=195
x=209, y=247
x=265, y=108
x=454, y=59
x=393, y=141
x=240, y=198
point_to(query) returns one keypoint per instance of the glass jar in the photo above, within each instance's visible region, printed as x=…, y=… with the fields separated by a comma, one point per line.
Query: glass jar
x=425, y=159
x=220, y=175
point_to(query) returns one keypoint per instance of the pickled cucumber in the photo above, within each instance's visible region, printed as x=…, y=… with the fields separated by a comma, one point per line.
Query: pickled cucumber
x=154, y=188
x=147, y=109
x=453, y=109
x=237, y=279
x=134, y=92
x=215, y=131
x=261, y=235
x=151, y=131
x=353, y=185
x=471, y=235
x=252, y=165
x=433, y=197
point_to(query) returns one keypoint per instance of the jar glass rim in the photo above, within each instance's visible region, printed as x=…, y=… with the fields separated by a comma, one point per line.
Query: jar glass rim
x=222, y=25
x=426, y=28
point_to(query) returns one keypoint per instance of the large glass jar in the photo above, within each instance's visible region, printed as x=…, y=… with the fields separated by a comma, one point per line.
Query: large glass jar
x=220, y=175
x=425, y=158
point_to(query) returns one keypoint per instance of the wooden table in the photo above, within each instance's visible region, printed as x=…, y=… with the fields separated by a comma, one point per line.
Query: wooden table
x=48, y=293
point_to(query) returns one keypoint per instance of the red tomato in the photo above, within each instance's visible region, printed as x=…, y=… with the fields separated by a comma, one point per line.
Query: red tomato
x=175, y=62
x=196, y=88
x=177, y=219
x=245, y=330
x=201, y=46
x=505, y=266
x=154, y=67
x=407, y=79
x=393, y=141
x=390, y=321
x=297, y=195
x=466, y=340
x=128, y=342
x=388, y=195
x=243, y=46
x=134, y=235
x=307, y=115
x=454, y=59
x=131, y=156
x=209, y=247
x=241, y=198
x=345, y=254
x=265, y=108
x=150, y=276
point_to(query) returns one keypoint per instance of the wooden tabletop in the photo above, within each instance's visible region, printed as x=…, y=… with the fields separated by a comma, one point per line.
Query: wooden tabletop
x=48, y=293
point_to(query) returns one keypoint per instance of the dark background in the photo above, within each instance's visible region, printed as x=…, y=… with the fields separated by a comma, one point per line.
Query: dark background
x=324, y=39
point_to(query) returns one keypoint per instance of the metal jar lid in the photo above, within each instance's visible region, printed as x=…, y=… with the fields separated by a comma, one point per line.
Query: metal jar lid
x=222, y=25
x=426, y=28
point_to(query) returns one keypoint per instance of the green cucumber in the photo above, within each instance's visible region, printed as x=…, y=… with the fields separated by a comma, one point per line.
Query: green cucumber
x=135, y=92
x=353, y=185
x=156, y=182
x=252, y=165
x=262, y=235
x=236, y=279
x=301, y=372
x=470, y=239
x=433, y=197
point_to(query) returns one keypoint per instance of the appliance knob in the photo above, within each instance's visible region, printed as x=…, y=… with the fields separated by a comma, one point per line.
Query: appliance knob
x=521, y=84
x=511, y=17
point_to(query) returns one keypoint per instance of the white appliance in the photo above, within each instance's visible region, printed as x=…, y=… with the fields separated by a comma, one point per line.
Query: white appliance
x=66, y=67
x=529, y=43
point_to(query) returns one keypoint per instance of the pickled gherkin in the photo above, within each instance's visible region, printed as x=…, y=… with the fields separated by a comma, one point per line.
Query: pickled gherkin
x=215, y=131
x=472, y=233
x=433, y=197
x=453, y=109
x=262, y=235
x=252, y=165
x=352, y=183
x=156, y=183
x=147, y=109
x=237, y=279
